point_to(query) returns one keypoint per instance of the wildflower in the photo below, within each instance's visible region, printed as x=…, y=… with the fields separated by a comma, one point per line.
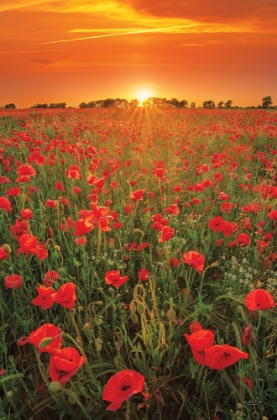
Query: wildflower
x=216, y=224
x=5, y=204
x=259, y=299
x=113, y=277
x=246, y=335
x=195, y=260
x=221, y=356
x=51, y=204
x=26, y=214
x=66, y=295
x=166, y=233
x=80, y=241
x=14, y=281
x=45, y=297
x=137, y=195
x=29, y=245
x=3, y=254
x=50, y=277
x=64, y=363
x=26, y=170
x=199, y=341
x=49, y=331
x=121, y=386
x=143, y=274
x=272, y=215
x=12, y=192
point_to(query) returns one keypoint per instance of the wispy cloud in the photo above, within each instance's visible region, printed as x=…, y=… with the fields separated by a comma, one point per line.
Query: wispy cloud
x=175, y=29
x=7, y=5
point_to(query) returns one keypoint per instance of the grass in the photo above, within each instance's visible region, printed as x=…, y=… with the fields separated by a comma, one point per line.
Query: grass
x=141, y=324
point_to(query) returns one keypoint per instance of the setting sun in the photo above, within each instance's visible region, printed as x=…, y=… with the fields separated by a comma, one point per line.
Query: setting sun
x=142, y=95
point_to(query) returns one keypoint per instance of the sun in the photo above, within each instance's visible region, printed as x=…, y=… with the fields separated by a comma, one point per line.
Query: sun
x=142, y=95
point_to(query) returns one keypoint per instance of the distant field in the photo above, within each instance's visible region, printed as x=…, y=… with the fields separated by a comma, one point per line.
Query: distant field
x=139, y=243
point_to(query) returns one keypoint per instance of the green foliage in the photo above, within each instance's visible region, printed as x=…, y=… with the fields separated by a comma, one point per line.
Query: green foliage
x=141, y=324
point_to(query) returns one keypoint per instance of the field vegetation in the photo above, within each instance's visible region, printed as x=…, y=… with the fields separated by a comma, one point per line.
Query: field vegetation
x=138, y=264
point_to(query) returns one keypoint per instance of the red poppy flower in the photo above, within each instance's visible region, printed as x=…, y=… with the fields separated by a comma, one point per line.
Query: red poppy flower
x=261, y=245
x=14, y=281
x=64, y=363
x=45, y=297
x=137, y=195
x=167, y=233
x=142, y=246
x=199, y=341
x=259, y=299
x=121, y=386
x=195, y=260
x=248, y=382
x=221, y=356
x=216, y=224
x=51, y=204
x=241, y=240
x=195, y=200
x=47, y=331
x=66, y=295
x=113, y=277
x=272, y=215
x=172, y=209
x=246, y=224
x=26, y=170
x=50, y=277
x=3, y=254
x=19, y=228
x=12, y=192
x=143, y=274
x=80, y=241
x=29, y=245
x=174, y=262
x=5, y=204
x=246, y=335
x=229, y=228
x=59, y=186
x=26, y=214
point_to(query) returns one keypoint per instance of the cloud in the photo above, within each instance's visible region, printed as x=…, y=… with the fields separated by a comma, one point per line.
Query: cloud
x=42, y=61
x=7, y=5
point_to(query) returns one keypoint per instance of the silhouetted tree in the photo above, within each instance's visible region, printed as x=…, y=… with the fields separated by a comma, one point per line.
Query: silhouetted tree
x=40, y=106
x=193, y=105
x=57, y=105
x=108, y=103
x=267, y=101
x=209, y=104
x=183, y=103
x=228, y=104
x=134, y=103
x=83, y=105
x=10, y=106
x=220, y=105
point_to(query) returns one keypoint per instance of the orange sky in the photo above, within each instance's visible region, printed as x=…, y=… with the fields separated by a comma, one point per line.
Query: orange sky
x=81, y=50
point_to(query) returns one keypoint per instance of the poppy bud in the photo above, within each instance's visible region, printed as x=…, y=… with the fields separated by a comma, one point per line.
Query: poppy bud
x=140, y=308
x=164, y=346
x=55, y=386
x=171, y=315
x=7, y=248
x=134, y=317
x=44, y=342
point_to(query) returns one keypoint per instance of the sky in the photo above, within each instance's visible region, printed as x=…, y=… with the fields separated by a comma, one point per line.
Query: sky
x=77, y=51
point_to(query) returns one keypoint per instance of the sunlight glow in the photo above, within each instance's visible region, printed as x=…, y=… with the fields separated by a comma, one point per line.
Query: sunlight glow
x=142, y=95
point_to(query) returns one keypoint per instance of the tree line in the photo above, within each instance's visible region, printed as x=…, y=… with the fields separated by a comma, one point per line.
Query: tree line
x=151, y=102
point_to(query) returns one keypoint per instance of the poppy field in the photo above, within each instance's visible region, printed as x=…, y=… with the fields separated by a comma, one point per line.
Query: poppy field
x=138, y=264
